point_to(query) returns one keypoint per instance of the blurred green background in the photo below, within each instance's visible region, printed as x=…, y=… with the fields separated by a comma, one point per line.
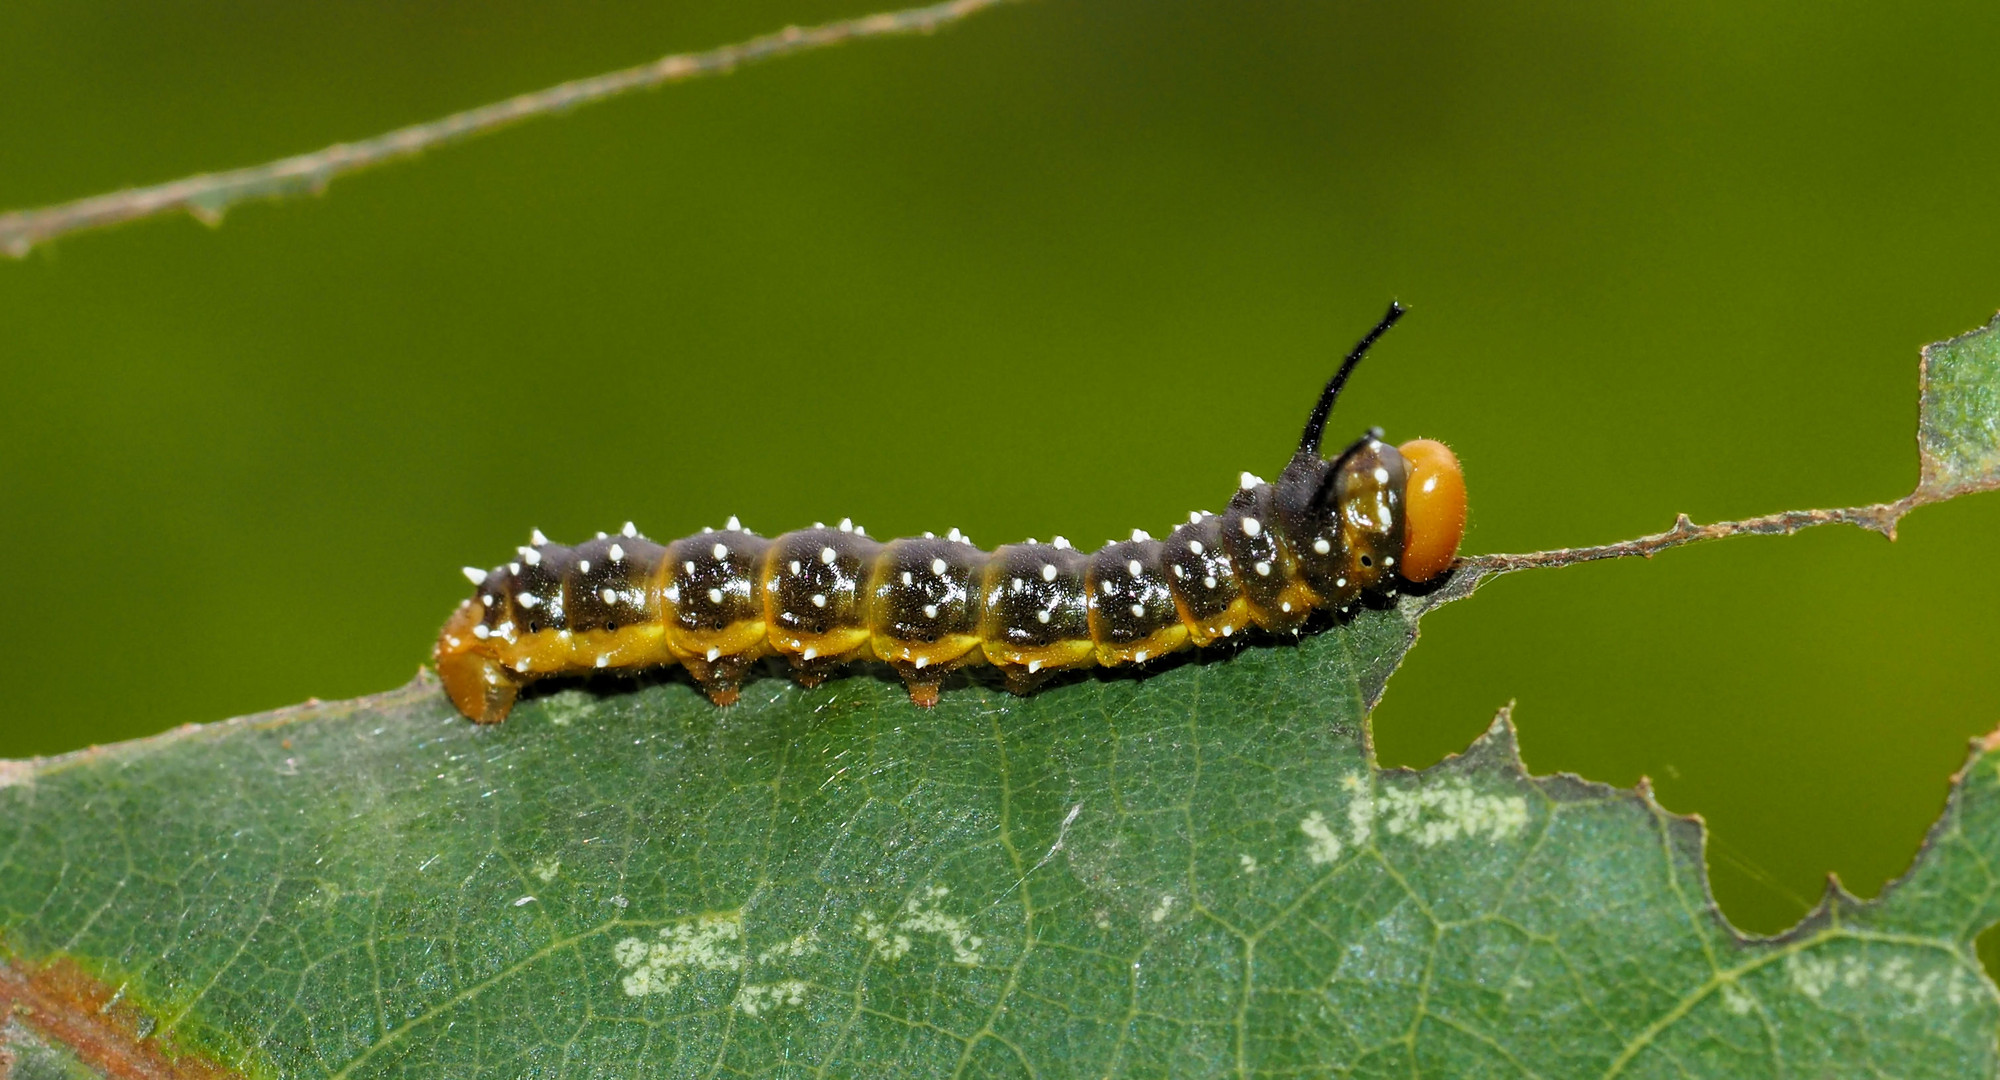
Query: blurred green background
x=1068, y=267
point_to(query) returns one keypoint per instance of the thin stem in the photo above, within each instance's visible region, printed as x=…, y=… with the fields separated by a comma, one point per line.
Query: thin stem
x=208, y=195
x=1880, y=517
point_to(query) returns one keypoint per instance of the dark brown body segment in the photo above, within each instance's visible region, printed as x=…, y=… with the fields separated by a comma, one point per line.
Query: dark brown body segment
x=1322, y=537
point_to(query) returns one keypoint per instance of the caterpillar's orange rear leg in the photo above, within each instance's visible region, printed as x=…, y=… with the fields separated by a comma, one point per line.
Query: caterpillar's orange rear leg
x=474, y=680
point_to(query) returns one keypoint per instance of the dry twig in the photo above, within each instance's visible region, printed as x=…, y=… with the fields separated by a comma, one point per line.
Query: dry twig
x=208, y=195
x=1879, y=517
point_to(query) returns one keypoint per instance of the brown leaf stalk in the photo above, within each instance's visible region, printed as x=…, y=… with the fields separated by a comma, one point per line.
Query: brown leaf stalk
x=1879, y=517
x=208, y=195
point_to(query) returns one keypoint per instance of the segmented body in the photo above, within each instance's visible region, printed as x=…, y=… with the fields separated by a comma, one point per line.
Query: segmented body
x=1322, y=537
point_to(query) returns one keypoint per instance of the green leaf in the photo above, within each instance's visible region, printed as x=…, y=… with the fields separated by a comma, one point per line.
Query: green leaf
x=1958, y=431
x=1197, y=872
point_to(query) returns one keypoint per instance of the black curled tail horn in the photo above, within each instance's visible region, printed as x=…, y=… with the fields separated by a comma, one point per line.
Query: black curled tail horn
x=1316, y=423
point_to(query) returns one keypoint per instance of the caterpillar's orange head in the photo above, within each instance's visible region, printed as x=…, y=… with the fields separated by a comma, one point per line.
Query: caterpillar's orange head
x=1432, y=487
x=1433, y=509
x=473, y=678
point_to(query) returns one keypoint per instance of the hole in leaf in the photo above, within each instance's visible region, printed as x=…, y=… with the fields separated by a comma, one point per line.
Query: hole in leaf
x=1988, y=946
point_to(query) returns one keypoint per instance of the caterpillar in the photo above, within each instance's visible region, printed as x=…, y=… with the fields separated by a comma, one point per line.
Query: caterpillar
x=1327, y=535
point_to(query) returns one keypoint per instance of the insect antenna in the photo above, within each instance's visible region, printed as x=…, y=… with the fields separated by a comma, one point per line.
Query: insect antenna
x=1316, y=423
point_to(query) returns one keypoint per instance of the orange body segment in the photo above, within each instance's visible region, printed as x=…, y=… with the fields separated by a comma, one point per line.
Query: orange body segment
x=1434, y=505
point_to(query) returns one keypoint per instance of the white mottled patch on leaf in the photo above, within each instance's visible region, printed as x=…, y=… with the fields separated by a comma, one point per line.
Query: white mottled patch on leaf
x=921, y=916
x=1321, y=845
x=887, y=944
x=1360, y=809
x=1248, y=862
x=1165, y=905
x=705, y=943
x=800, y=945
x=545, y=870
x=1814, y=976
x=758, y=998
x=1735, y=1000
x=1445, y=812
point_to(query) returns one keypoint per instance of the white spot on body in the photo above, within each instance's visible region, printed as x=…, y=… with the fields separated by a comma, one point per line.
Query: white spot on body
x=937, y=567
x=528, y=600
x=1252, y=527
x=610, y=596
x=819, y=599
x=1048, y=571
x=481, y=632
x=930, y=611
x=1209, y=581
x=583, y=565
x=1248, y=481
x=617, y=553
x=673, y=594
x=713, y=654
x=715, y=596
x=721, y=551
x=1195, y=546
x=1138, y=609
x=629, y=530
x=733, y=524
x=1060, y=542
x=1134, y=568
x=474, y=574
x=906, y=577
x=1263, y=569
x=531, y=556
x=1042, y=617
x=1141, y=534
x=603, y=660
x=1381, y=475
x=536, y=538
x=1322, y=546
x=922, y=662
x=826, y=555
x=1034, y=666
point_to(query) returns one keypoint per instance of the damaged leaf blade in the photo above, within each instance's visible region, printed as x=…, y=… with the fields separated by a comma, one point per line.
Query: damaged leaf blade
x=1197, y=872
x=1958, y=429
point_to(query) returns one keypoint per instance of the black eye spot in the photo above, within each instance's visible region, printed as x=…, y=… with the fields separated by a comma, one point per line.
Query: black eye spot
x=1367, y=561
x=534, y=627
x=611, y=626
